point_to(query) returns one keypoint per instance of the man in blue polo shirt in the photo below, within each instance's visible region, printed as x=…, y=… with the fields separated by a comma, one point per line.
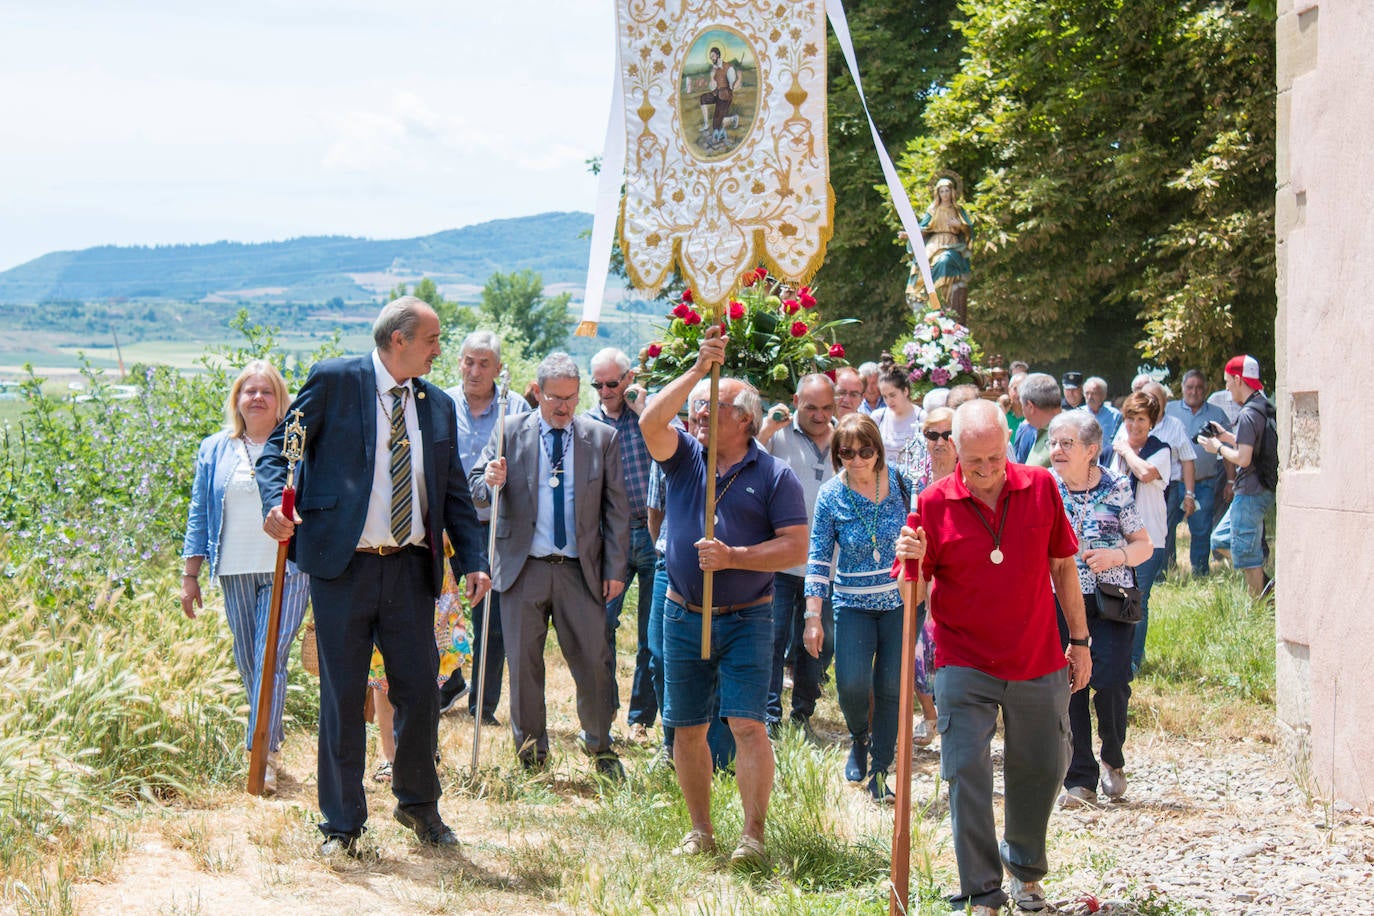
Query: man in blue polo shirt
x=760, y=528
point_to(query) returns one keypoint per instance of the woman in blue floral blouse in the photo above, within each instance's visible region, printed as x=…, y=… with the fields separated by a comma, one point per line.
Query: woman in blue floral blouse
x=861, y=511
x=1111, y=537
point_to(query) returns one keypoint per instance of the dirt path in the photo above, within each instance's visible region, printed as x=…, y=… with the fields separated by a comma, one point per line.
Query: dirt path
x=1208, y=826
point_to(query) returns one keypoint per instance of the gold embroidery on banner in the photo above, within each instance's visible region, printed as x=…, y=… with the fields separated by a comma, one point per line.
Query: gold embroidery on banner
x=714, y=176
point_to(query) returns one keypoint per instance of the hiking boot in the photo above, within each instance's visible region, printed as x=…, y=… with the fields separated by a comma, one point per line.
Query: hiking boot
x=1027, y=895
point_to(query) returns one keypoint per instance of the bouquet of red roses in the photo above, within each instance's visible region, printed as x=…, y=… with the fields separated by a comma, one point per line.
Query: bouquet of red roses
x=776, y=337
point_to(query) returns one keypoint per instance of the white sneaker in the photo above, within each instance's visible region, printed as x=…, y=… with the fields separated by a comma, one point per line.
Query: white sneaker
x=1027, y=895
x=1113, y=781
x=1077, y=797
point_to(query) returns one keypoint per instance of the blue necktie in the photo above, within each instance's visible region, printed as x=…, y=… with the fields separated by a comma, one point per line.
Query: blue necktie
x=560, y=531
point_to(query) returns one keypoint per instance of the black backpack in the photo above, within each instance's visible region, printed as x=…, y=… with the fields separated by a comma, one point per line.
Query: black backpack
x=1265, y=458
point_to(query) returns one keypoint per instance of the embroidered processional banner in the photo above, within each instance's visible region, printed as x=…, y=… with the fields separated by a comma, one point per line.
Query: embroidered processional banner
x=726, y=158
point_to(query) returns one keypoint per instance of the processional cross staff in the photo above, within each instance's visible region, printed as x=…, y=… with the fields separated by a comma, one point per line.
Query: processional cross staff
x=502, y=392
x=293, y=449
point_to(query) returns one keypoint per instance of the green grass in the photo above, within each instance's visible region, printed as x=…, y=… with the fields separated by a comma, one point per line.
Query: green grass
x=118, y=705
x=1210, y=636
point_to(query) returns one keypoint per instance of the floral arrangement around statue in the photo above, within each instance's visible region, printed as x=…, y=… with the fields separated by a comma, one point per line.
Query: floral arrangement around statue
x=776, y=337
x=938, y=353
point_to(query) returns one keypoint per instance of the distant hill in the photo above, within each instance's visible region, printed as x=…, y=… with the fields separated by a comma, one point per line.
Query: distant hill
x=308, y=269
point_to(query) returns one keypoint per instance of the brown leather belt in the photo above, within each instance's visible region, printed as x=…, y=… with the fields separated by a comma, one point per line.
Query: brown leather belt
x=554, y=558
x=721, y=609
x=387, y=550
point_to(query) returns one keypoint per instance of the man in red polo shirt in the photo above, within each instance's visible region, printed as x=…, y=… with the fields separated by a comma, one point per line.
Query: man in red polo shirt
x=994, y=536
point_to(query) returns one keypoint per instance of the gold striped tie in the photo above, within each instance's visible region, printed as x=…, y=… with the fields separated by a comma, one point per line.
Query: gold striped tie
x=400, y=468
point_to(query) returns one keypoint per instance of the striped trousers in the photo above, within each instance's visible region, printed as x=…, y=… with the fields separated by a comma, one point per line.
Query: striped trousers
x=247, y=599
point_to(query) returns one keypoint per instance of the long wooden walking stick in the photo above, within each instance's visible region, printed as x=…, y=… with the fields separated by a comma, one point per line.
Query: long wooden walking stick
x=481, y=685
x=293, y=447
x=901, y=821
x=709, y=524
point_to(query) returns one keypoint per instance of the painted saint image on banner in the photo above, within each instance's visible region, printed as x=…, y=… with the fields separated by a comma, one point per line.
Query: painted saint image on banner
x=719, y=93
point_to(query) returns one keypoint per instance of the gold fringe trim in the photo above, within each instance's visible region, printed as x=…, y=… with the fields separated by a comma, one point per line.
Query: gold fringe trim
x=761, y=256
x=585, y=329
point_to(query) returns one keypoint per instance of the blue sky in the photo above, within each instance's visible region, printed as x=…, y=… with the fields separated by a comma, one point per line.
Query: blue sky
x=159, y=122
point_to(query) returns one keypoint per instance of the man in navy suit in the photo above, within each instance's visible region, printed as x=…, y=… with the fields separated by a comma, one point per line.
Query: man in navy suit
x=379, y=484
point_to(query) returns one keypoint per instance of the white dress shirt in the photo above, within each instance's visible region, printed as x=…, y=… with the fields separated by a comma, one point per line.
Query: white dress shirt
x=377, y=527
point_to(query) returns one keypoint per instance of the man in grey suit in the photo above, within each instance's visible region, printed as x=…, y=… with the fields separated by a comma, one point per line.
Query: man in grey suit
x=562, y=536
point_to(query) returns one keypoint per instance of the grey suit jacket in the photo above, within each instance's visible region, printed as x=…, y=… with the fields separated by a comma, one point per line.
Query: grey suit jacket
x=601, y=512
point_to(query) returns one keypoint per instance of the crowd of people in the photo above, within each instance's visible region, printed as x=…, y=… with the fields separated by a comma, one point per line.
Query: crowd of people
x=1045, y=513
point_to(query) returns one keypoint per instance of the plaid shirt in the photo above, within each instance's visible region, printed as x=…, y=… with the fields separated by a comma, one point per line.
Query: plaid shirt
x=634, y=458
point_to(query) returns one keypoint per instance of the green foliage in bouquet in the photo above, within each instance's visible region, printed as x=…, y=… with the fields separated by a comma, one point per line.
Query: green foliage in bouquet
x=776, y=337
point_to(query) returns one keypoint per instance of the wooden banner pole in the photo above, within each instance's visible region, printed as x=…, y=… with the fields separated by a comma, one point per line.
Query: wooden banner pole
x=709, y=523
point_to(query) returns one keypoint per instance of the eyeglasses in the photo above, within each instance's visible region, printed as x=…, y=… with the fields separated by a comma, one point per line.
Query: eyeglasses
x=554, y=399
x=849, y=454
x=932, y=436
x=842, y=393
x=1064, y=444
x=700, y=404
x=612, y=385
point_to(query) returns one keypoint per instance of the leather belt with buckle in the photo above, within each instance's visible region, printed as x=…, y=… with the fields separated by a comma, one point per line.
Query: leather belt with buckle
x=554, y=558
x=719, y=609
x=386, y=550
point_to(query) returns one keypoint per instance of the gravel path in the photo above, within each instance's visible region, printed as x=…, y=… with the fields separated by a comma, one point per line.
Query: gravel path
x=1214, y=828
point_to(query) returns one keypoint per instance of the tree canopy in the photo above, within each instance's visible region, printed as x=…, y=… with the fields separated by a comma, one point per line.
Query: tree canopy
x=516, y=302
x=905, y=51
x=1118, y=159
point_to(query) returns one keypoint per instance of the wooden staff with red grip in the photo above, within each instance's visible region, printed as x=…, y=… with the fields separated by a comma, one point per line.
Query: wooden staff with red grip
x=293, y=446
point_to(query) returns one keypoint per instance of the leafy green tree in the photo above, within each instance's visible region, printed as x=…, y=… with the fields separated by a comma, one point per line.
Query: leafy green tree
x=906, y=51
x=1118, y=157
x=453, y=318
x=516, y=302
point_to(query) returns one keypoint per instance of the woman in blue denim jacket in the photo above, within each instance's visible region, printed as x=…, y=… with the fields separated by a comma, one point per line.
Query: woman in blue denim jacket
x=224, y=526
x=861, y=510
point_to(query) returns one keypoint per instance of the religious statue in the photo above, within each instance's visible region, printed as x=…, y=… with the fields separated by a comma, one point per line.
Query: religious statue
x=948, y=230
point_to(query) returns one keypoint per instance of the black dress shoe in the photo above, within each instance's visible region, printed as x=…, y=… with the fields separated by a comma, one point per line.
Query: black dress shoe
x=608, y=766
x=533, y=762
x=431, y=830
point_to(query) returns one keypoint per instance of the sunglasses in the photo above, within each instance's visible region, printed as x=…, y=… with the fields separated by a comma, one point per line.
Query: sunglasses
x=849, y=454
x=932, y=436
x=612, y=385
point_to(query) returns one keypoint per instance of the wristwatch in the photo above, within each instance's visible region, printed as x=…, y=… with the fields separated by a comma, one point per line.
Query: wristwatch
x=1086, y=641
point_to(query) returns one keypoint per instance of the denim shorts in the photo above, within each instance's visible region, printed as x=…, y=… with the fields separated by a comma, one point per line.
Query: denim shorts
x=739, y=666
x=1241, y=529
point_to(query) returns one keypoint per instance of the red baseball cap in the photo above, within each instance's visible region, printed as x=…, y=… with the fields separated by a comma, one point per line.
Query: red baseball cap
x=1247, y=367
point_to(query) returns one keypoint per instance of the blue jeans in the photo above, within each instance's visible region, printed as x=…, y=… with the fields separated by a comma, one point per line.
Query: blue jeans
x=1200, y=524
x=741, y=650
x=868, y=661
x=643, y=705
x=1145, y=575
x=788, y=606
x=719, y=738
x=1241, y=529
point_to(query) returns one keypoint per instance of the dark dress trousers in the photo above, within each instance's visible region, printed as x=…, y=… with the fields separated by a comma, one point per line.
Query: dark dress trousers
x=535, y=592
x=361, y=599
